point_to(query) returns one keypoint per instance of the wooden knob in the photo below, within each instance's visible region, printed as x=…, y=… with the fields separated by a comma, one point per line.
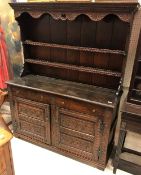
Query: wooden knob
x=109, y=102
x=63, y=102
x=93, y=110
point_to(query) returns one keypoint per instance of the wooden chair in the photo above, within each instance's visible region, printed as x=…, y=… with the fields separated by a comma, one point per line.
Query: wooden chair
x=126, y=159
x=3, y=97
x=6, y=160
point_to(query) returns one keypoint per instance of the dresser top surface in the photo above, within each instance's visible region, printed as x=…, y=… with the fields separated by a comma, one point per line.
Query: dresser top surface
x=78, y=91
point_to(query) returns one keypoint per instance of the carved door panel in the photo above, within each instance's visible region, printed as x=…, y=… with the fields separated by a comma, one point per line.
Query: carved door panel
x=32, y=119
x=76, y=133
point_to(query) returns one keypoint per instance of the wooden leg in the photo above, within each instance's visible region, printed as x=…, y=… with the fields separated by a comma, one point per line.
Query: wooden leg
x=121, y=141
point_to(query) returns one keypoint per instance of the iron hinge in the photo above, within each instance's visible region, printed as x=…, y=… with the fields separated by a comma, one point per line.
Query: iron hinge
x=14, y=103
x=99, y=153
x=101, y=126
x=15, y=125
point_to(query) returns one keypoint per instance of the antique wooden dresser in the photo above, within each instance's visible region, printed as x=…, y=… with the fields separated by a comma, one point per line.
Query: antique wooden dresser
x=67, y=97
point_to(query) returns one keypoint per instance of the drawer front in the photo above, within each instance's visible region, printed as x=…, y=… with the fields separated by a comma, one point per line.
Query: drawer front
x=30, y=94
x=60, y=101
x=32, y=119
x=84, y=107
x=2, y=161
x=76, y=133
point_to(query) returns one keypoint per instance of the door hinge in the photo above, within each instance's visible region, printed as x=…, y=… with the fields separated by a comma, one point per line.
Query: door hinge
x=99, y=153
x=13, y=104
x=15, y=125
x=101, y=126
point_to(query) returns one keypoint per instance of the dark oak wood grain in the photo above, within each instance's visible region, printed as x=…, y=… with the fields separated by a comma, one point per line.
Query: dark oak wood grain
x=67, y=97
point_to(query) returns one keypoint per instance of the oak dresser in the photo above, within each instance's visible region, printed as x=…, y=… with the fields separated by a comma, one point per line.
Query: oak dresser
x=67, y=97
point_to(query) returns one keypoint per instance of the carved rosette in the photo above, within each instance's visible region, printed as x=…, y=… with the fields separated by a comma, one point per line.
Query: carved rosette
x=94, y=16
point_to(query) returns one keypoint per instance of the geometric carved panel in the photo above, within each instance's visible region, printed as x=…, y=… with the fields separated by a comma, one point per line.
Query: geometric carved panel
x=76, y=133
x=30, y=128
x=33, y=119
x=32, y=109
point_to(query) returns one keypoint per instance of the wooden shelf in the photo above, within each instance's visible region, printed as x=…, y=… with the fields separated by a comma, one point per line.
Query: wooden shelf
x=138, y=77
x=74, y=67
x=86, y=49
x=136, y=90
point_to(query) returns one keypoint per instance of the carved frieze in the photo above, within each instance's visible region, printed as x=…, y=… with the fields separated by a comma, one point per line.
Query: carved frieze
x=94, y=16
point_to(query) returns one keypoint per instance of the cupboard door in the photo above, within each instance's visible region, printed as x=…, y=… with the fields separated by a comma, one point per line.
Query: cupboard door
x=75, y=133
x=32, y=119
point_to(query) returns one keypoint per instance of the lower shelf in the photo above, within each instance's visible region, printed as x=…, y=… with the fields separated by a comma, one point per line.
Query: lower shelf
x=130, y=163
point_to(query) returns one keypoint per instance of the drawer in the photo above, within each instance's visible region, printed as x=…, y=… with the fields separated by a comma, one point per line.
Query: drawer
x=30, y=94
x=2, y=161
x=80, y=106
x=64, y=102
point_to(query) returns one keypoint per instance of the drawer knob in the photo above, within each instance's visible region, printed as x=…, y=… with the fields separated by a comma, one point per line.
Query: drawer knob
x=94, y=110
x=63, y=102
x=109, y=102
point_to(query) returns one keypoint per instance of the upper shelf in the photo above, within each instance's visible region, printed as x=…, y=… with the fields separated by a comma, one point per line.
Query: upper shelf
x=70, y=10
x=138, y=77
x=86, y=49
x=75, y=68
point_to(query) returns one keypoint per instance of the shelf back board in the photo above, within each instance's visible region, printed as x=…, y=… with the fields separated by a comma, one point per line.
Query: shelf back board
x=94, y=36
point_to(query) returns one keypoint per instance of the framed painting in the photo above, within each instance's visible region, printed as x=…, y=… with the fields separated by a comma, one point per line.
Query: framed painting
x=12, y=37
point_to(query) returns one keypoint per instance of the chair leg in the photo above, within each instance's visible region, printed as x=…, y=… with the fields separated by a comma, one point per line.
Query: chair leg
x=121, y=141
